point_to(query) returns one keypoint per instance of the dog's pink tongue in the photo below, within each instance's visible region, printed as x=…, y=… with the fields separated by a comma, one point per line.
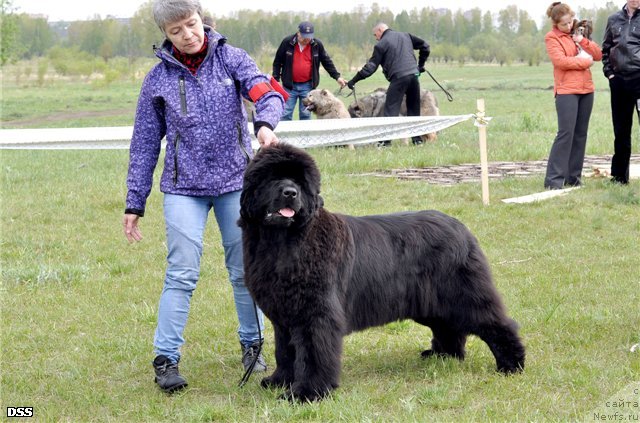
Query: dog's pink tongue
x=286, y=212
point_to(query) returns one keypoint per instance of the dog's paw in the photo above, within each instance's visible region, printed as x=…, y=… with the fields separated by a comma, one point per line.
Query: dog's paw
x=511, y=367
x=433, y=353
x=428, y=353
x=287, y=396
x=276, y=380
x=510, y=370
x=304, y=394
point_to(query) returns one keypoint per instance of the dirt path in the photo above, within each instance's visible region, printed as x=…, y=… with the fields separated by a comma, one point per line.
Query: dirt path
x=450, y=175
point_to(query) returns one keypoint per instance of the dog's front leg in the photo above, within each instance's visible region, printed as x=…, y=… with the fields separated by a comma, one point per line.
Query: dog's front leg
x=285, y=357
x=317, y=365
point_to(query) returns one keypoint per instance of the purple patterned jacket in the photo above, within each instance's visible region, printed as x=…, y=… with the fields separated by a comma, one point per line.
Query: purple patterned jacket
x=203, y=119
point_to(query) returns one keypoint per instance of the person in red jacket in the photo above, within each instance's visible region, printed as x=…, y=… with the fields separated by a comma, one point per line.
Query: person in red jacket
x=572, y=56
x=297, y=65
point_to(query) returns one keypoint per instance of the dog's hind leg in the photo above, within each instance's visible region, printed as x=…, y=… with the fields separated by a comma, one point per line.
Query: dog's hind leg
x=285, y=357
x=502, y=338
x=447, y=341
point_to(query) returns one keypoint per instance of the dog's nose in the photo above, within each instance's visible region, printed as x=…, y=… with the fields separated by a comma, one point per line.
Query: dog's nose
x=290, y=192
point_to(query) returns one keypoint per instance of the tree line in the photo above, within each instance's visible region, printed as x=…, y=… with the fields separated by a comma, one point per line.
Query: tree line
x=507, y=36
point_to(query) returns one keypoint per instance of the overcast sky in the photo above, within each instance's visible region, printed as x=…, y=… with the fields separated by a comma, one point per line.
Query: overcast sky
x=82, y=9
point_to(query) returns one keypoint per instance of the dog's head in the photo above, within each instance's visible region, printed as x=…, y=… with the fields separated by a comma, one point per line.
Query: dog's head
x=583, y=27
x=281, y=188
x=356, y=109
x=318, y=100
x=371, y=105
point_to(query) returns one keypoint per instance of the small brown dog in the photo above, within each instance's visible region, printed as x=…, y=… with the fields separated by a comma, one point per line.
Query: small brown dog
x=584, y=27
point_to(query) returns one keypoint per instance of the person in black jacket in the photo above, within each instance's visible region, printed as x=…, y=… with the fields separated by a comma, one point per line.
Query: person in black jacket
x=394, y=52
x=297, y=67
x=621, y=65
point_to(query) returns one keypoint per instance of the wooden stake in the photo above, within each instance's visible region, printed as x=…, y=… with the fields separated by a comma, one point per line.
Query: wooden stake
x=484, y=165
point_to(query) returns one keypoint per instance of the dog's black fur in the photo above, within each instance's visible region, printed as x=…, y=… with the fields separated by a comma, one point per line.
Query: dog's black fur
x=318, y=276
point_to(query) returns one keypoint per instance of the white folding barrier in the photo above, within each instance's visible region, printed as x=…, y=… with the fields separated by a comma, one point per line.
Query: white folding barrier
x=309, y=133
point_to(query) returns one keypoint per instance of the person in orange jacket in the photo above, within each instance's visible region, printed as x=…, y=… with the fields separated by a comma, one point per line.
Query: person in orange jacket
x=572, y=56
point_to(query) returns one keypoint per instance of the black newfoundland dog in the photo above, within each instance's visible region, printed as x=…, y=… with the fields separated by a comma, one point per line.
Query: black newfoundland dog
x=318, y=276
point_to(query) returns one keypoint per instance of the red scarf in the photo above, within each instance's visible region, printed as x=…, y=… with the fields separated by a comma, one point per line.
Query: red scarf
x=192, y=61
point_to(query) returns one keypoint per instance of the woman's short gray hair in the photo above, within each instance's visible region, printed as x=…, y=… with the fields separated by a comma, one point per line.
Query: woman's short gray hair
x=169, y=11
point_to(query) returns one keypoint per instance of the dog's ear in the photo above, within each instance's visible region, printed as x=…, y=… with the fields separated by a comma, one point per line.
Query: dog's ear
x=324, y=92
x=244, y=209
x=316, y=203
x=588, y=28
x=248, y=196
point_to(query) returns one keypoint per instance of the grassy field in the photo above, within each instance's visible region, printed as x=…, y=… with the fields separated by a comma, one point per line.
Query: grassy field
x=79, y=303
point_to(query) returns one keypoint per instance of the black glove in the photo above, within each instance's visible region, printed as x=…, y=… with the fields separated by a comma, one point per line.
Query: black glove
x=421, y=69
x=352, y=83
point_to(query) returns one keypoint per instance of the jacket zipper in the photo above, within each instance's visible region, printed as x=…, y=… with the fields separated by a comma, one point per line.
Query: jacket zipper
x=183, y=96
x=176, y=147
x=247, y=157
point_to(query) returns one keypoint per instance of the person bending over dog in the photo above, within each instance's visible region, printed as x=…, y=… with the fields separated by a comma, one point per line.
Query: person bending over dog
x=394, y=52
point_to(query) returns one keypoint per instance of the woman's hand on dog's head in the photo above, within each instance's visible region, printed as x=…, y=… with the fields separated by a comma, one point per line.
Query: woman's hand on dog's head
x=266, y=137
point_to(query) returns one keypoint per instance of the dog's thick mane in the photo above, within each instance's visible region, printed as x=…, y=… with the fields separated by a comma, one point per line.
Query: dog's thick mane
x=277, y=162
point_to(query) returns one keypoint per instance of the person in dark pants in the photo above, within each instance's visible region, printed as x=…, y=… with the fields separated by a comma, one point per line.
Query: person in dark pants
x=572, y=57
x=394, y=52
x=297, y=64
x=621, y=66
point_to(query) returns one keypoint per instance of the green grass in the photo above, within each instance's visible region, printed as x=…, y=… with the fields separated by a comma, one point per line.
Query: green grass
x=79, y=303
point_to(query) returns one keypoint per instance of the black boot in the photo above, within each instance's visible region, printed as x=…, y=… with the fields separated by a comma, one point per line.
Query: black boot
x=167, y=375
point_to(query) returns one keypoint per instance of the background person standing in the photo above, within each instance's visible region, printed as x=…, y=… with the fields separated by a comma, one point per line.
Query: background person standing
x=572, y=57
x=394, y=52
x=621, y=66
x=297, y=66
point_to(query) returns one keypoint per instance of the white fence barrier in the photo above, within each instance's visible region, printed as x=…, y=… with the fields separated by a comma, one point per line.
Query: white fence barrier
x=310, y=133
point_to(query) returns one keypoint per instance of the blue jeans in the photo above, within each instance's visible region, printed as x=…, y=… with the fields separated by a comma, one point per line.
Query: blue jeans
x=186, y=219
x=300, y=90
